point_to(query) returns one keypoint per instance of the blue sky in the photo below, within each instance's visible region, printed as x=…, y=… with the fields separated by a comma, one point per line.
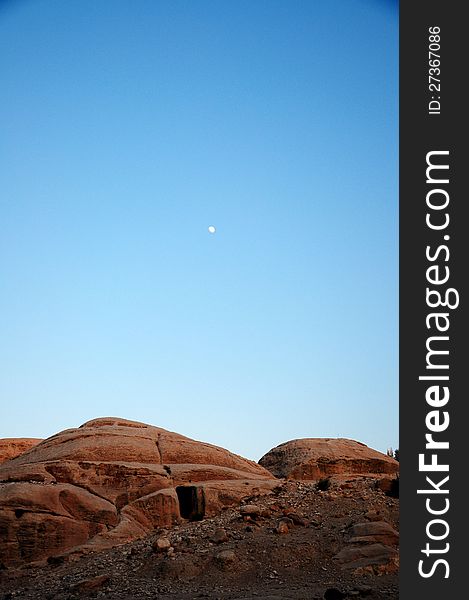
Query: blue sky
x=130, y=127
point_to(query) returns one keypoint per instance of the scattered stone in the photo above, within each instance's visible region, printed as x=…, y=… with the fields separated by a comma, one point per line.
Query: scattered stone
x=282, y=528
x=226, y=557
x=219, y=536
x=88, y=585
x=250, y=510
x=161, y=544
x=298, y=520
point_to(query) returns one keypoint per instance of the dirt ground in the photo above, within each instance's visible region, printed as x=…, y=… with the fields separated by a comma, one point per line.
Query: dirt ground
x=282, y=546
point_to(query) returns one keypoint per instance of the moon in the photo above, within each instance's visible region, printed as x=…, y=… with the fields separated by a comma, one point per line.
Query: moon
x=211, y=229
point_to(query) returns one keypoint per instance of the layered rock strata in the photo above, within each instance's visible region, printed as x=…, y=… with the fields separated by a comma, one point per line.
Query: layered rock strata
x=111, y=481
x=320, y=458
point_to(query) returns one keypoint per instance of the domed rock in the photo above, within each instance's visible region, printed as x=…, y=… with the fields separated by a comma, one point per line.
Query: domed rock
x=111, y=481
x=13, y=447
x=318, y=458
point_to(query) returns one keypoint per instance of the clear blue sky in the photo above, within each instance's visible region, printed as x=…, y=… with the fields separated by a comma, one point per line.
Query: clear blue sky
x=128, y=127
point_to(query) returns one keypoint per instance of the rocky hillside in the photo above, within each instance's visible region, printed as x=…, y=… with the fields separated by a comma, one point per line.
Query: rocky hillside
x=123, y=510
x=299, y=542
x=111, y=481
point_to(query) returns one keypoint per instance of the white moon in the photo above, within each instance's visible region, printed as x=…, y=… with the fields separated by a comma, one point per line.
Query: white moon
x=211, y=229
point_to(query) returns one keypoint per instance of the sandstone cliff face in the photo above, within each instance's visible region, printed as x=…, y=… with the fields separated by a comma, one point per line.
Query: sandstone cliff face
x=111, y=481
x=13, y=447
x=317, y=458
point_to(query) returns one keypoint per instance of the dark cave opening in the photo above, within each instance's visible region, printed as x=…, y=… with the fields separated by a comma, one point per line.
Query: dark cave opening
x=191, y=502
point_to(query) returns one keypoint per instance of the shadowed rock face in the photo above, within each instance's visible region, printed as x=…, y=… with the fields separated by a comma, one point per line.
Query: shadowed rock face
x=111, y=481
x=317, y=458
x=13, y=447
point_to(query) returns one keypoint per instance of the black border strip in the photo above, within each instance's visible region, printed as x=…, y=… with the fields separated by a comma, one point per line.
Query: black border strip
x=422, y=131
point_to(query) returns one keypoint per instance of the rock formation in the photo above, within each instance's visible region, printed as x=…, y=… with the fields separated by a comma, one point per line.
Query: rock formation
x=319, y=458
x=13, y=447
x=372, y=548
x=111, y=481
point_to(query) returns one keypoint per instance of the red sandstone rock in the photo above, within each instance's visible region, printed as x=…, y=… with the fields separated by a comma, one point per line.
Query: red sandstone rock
x=90, y=585
x=111, y=481
x=13, y=447
x=371, y=548
x=318, y=458
x=372, y=558
x=378, y=532
x=161, y=544
x=219, y=536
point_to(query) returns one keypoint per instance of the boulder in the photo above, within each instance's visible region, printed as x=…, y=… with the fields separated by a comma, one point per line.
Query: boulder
x=219, y=536
x=251, y=510
x=91, y=585
x=111, y=481
x=372, y=558
x=161, y=544
x=282, y=528
x=374, y=532
x=13, y=447
x=226, y=558
x=314, y=459
x=371, y=549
